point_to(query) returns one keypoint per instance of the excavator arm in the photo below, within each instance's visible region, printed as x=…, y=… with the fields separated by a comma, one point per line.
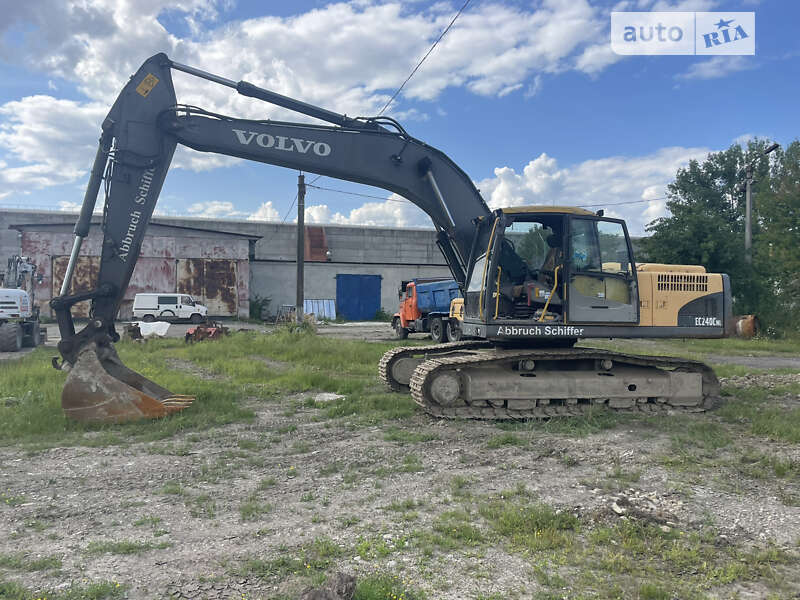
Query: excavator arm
x=138, y=139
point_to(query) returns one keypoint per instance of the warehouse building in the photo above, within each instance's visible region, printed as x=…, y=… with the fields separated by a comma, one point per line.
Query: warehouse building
x=226, y=263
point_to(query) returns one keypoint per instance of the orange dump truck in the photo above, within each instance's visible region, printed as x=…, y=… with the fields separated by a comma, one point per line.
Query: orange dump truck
x=425, y=308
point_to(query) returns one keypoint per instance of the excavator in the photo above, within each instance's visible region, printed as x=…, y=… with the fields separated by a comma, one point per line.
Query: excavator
x=534, y=280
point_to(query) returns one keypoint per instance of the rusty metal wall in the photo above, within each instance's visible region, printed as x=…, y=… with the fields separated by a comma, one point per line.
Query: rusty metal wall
x=213, y=282
x=216, y=272
x=82, y=281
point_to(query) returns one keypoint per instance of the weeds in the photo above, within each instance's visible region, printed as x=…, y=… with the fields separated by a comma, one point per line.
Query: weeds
x=124, y=547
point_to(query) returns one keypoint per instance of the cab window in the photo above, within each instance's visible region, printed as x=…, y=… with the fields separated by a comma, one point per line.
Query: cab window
x=187, y=301
x=477, y=275
x=584, y=249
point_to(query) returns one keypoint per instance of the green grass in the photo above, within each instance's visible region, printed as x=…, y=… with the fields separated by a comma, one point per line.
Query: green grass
x=384, y=586
x=404, y=436
x=505, y=439
x=124, y=547
x=104, y=590
x=532, y=527
x=253, y=509
x=22, y=562
x=693, y=348
x=315, y=363
x=754, y=408
x=312, y=558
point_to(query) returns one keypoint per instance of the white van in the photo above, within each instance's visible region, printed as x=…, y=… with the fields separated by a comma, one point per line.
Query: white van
x=167, y=307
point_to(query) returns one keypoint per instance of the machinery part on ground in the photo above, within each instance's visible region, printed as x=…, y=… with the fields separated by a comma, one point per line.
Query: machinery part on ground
x=212, y=330
x=747, y=326
x=132, y=332
x=100, y=389
x=533, y=384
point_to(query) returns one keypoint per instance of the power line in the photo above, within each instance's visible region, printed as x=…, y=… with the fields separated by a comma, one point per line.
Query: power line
x=291, y=206
x=327, y=189
x=621, y=203
x=419, y=64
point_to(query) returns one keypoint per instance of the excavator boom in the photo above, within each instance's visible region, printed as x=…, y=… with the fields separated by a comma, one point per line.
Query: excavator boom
x=138, y=139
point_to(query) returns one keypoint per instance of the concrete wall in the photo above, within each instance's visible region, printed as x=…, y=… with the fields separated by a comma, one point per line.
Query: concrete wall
x=276, y=280
x=393, y=253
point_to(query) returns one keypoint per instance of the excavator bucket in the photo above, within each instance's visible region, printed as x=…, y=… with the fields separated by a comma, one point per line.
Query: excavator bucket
x=100, y=389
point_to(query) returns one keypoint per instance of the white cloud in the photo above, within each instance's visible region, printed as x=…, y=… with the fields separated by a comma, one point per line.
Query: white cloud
x=596, y=58
x=717, y=67
x=214, y=209
x=266, y=212
x=393, y=212
x=54, y=140
x=494, y=49
x=599, y=183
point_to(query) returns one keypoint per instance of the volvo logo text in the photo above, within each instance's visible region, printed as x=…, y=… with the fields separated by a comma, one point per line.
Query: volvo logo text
x=280, y=142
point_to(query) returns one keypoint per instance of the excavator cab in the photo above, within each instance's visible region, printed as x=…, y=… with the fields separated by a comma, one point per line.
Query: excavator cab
x=555, y=265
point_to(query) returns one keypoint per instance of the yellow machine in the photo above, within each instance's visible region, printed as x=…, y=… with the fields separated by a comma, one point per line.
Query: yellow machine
x=534, y=279
x=547, y=277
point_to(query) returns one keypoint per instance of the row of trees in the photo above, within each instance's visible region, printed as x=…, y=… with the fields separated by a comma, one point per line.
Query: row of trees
x=706, y=226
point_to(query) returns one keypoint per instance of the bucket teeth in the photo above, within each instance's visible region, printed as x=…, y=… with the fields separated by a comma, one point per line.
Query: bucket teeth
x=103, y=390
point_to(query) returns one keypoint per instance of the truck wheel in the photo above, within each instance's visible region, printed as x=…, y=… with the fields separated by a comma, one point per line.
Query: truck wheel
x=148, y=318
x=10, y=337
x=438, y=332
x=454, y=330
x=400, y=332
x=35, y=338
x=196, y=318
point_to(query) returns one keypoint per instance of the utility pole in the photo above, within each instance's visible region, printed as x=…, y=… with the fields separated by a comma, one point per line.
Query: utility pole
x=301, y=245
x=748, y=208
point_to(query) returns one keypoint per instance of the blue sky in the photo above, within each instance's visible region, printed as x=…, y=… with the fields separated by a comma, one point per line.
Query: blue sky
x=525, y=96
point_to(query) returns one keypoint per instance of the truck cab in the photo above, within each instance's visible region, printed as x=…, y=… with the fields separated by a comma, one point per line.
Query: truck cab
x=425, y=307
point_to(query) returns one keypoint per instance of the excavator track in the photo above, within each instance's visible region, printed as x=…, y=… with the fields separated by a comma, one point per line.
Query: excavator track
x=387, y=368
x=449, y=378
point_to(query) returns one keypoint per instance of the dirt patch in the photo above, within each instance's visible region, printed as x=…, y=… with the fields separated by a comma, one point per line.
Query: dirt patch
x=192, y=368
x=756, y=362
x=15, y=355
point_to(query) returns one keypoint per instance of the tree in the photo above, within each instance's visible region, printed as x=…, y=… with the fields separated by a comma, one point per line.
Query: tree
x=706, y=223
x=777, y=243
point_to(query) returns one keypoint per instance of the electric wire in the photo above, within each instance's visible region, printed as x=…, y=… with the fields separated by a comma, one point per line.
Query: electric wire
x=327, y=189
x=422, y=60
x=286, y=216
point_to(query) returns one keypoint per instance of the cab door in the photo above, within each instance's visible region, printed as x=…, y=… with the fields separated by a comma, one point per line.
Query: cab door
x=601, y=274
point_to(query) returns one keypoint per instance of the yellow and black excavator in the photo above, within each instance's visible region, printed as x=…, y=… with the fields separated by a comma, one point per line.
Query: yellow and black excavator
x=534, y=279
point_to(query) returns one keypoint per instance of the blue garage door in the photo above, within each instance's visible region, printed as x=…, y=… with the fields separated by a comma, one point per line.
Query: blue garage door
x=358, y=297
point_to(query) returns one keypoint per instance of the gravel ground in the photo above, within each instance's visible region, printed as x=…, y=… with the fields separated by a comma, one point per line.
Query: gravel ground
x=338, y=483
x=184, y=498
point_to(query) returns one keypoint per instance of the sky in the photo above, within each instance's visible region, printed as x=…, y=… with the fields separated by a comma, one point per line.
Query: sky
x=525, y=96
